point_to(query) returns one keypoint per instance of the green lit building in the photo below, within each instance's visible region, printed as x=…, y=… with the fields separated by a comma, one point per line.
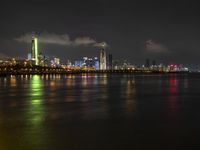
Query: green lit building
x=34, y=50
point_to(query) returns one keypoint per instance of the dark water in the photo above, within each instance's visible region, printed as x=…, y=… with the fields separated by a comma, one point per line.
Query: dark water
x=99, y=112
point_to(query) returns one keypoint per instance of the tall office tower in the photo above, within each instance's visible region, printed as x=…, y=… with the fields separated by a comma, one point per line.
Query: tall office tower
x=29, y=56
x=96, y=63
x=147, y=63
x=110, y=63
x=103, y=59
x=34, y=50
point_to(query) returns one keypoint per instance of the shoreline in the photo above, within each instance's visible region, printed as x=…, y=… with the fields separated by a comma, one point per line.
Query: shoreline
x=3, y=74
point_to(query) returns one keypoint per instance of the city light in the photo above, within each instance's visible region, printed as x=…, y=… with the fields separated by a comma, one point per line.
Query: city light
x=41, y=64
x=36, y=51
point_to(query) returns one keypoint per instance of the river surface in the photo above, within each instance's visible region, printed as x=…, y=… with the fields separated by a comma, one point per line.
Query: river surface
x=100, y=111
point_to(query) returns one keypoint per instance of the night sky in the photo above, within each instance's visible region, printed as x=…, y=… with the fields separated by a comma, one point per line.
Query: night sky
x=167, y=31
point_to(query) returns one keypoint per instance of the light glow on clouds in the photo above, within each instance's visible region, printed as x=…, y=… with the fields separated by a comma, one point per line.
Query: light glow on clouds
x=155, y=47
x=61, y=39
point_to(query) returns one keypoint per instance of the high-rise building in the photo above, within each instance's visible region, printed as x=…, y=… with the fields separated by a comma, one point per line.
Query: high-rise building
x=96, y=63
x=110, y=61
x=34, y=50
x=102, y=59
x=147, y=63
x=29, y=56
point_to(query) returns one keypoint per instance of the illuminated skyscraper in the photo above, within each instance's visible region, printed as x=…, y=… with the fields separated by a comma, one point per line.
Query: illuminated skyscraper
x=34, y=50
x=102, y=59
x=96, y=63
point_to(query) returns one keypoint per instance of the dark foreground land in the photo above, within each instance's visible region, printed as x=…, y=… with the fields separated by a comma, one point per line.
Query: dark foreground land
x=100, y=112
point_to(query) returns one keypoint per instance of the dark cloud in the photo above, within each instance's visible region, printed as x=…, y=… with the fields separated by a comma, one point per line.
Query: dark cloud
x=155, y=47
x=61, y=39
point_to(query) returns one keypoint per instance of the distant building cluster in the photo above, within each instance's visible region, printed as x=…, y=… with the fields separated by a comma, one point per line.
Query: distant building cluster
x=87, y=62
x=96, y=63
x=164, y=68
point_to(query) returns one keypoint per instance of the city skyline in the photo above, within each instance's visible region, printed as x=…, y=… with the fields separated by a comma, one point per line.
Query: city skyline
x=99, y=74
x=163, y=31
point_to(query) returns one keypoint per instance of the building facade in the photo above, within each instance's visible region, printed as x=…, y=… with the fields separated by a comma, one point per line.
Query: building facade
x=34, y=50
x=103, y=59
x=110, y=61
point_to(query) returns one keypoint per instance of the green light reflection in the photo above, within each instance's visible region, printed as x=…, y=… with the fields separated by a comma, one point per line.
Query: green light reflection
x=36, y=92
x=35, y=115
x=36, y=110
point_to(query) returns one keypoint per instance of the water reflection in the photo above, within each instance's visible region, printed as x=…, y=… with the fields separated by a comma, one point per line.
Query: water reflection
x=94, y=96
x=13, y=86
x=103, y=83
x=100, y=107
x=70, y=81
x=173, y=91
x=130, y=96
x=13, y=81
x=36, y=91
x=35, y=111
x=104, y=79
x=35, y=132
